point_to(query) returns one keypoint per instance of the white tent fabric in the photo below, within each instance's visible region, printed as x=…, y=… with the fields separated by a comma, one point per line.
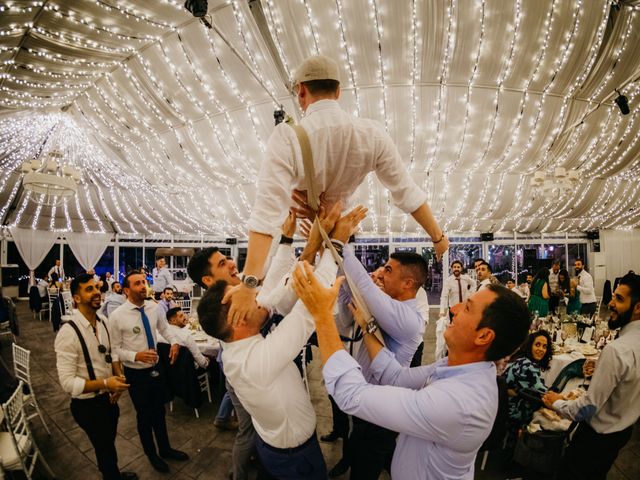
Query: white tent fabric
x=168, y=120
x=33, y=245
x=622, y=251
x=88, y=247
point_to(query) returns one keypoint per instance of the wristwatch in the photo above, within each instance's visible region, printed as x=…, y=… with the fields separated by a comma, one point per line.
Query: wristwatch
x=372, y=326
x=251, y=281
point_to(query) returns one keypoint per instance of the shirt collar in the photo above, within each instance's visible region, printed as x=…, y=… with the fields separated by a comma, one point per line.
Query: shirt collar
x=82, y=321
x=131, y=306
x=630, y=327
x=324, y=104
x=443, y=370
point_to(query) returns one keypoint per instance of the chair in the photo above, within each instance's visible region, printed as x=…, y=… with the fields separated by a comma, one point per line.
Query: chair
x=184, y=379
x=67, y=304
x=22, y=370
x=573, y=370
x=18, y=450
x=52, y=293
x=184, y=304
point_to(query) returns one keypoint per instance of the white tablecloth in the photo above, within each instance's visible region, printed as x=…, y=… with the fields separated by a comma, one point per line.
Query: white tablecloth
x=558, y=362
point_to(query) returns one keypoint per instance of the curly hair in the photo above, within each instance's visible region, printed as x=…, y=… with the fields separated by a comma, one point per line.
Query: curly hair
x=526, y=347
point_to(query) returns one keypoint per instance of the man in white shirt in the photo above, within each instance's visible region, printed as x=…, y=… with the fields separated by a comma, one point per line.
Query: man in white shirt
x=58, y=270
x=109, y=279
x=457, y=288
x=43, y=285
x=268, y=383
x=95, y=382
x=524, y=288
x=483, y=274
x=113, y=300
x=177, y=323
x=162, y=277
x=554, y=286
x=611, y=407
x=134, y=328
x=586, y=289
x=345, y=149
x=511, y=285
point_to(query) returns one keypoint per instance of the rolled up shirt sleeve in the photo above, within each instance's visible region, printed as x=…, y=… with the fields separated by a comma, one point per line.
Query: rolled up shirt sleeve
x=606, y=377
x=275, y=180
x=66, y=361
x=392, y=173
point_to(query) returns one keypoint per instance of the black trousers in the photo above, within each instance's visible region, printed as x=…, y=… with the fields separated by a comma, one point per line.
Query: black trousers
x=149, y=394
x=99, y=419
x=372, y=449
x=588, y=308
x=590, y=454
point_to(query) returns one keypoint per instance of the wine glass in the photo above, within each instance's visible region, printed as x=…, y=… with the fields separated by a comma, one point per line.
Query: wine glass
x=563, y=335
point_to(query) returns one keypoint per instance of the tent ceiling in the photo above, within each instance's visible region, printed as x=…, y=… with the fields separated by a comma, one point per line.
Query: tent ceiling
x=168, y=119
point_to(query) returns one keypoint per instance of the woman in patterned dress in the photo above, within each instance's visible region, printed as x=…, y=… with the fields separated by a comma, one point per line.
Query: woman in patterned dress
x=525, y=373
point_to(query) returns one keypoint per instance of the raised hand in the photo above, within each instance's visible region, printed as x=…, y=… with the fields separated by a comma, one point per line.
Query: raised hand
x=243, y=302
x=318, y=299
x=348, y=223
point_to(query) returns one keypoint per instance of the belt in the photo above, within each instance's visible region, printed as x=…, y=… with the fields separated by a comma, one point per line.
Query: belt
x=289, y=450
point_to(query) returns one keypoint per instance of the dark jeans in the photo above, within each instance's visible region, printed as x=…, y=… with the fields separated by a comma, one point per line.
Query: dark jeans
x=99, y=419
x=588, y=308
x=149, y=394
x=302, y=462
x=590, y=455
x=372, y=449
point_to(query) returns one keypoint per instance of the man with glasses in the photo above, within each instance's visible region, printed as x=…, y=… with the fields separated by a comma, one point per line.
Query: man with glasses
x=92, y=375
x=134, y=330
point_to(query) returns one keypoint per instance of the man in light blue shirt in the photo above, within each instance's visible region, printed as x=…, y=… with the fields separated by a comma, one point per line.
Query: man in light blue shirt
x=113, y=300
x=162, y=277
x=443, y=411
x=393, y=304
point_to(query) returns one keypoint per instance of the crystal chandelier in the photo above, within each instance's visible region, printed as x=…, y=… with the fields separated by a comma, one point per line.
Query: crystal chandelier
x=49, y=182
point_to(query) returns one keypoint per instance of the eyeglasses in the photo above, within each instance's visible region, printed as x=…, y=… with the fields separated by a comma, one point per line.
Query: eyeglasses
x=107, y=355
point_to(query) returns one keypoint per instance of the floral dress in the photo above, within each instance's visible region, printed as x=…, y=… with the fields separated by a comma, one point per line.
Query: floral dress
x=523, y=374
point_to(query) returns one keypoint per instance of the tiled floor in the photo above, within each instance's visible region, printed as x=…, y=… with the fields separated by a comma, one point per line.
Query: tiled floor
x=71, y=456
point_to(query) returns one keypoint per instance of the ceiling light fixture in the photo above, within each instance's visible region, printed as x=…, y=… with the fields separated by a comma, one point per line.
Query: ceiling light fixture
x=51, y=182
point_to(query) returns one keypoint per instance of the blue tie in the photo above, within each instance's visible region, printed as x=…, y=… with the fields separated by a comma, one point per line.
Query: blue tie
x=147, y=327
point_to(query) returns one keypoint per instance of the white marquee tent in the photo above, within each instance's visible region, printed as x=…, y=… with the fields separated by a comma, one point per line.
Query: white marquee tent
x=167, y=119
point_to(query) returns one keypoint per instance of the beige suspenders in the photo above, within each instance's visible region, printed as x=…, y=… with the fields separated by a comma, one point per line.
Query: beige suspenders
x=313, y=199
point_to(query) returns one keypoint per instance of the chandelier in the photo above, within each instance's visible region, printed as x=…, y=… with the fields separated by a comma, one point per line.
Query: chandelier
x=50, y=183
x=557, y=183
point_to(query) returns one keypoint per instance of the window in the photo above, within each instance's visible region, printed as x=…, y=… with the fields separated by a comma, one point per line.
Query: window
x=372, y=256
x=105, y=264
x=501, y=259
x=130, y=259
x=465, y=253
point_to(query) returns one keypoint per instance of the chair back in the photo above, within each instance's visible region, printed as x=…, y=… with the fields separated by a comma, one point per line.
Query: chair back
x=53, y=294
x=18, y=426
x=573, y=370
x=21, y=365
x=184, y=304
x=67, y=301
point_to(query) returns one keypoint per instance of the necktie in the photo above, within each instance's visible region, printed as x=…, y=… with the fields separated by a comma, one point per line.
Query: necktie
x=147, y=327
x=459, y=289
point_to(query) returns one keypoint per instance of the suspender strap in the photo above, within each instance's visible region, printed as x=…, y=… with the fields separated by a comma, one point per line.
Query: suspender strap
x=314, y=202
x=85, y=350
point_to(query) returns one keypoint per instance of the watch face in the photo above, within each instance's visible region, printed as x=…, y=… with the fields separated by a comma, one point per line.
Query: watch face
x=372, y=327
x=250, y=281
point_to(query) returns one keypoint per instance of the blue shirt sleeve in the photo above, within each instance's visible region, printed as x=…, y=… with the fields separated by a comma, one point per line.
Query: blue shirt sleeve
x=398, y=319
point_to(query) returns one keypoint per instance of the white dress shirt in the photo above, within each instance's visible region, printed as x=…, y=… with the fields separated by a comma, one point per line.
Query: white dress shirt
x=161, y=279
x=345, y=149
x=422, y=301
x=111, y=302
x=276, y=293
x=185, y=339
x=267, y=382
x=612, y=402
x=524, y=290
x=451, y=291
x=586, y=288
x=72, y=369
x=59, y=270
x=518, y=291
x=553, y=281
x=128, y=335
x=483, y=284
x=42, y=288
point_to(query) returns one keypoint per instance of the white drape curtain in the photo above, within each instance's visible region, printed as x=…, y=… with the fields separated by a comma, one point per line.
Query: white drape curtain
x=33, y=245
x=622, y=251
x=88, y=247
